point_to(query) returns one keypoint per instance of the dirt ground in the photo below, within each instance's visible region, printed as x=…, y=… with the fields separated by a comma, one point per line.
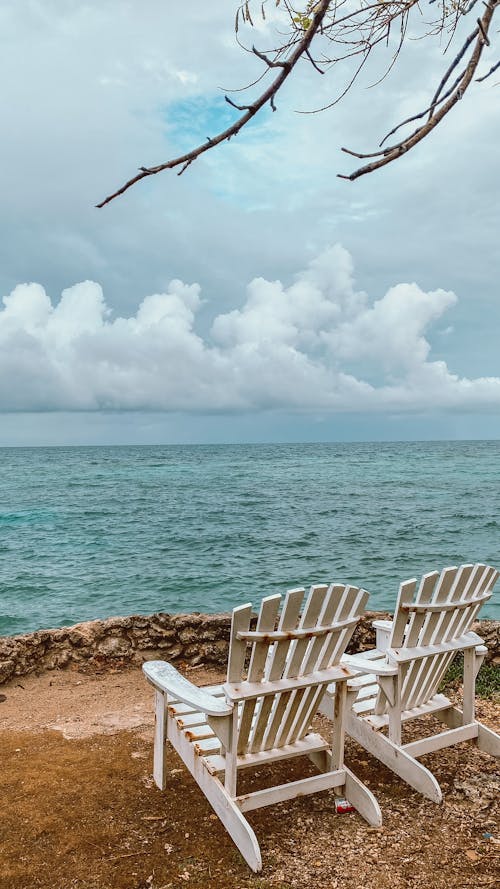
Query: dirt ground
x=79, y=809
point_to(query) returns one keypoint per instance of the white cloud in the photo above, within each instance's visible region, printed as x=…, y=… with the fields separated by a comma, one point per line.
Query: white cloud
x=121, y=85
x=317, y=344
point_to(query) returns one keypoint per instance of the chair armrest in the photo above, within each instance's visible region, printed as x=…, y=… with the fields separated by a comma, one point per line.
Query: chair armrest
x=383, y=624
x=357, y=662
x=167, y=679
x=383, y=630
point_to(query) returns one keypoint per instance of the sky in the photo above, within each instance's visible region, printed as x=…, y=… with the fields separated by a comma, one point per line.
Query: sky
x=258, y=297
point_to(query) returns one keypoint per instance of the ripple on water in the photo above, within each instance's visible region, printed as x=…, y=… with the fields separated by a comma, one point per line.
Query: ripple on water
x=89, y=532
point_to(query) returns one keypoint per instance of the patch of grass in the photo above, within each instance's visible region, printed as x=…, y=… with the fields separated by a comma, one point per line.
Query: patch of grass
x=487, y=682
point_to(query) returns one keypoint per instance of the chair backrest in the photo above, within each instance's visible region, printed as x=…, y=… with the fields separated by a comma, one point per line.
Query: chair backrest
x=291, y=656
x=441, y=609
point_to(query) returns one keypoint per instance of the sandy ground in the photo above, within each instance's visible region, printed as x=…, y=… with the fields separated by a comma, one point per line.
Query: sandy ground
x=77, y=705
x=79, y=809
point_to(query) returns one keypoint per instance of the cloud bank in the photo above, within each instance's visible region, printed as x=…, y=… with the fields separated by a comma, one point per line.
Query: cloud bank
x=318, y=344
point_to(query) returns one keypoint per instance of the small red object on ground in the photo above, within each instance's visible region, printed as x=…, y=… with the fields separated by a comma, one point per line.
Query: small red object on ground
x=343, y=805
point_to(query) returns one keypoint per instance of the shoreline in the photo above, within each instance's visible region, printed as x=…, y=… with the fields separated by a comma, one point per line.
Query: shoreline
x=194, y=639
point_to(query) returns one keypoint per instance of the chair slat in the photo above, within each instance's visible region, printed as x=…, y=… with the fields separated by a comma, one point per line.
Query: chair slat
x=485, y=582
x=449, y=607
x=286, y=706
x=352, y=603
x=468, y=584
x=335, y=623
x=309, y=708
x=260, y=650
x=238, y=648
x=312, y=744
x=281, y=703
x=407, y=631
x=276, y=664
x=442, y=594
x=463, y=588
x=399, y=624
x=453, y=605
x=424, y=594
x=467, y=593
x=298, y=650
x=435, y=675
x=367, y=691
x=288, y=619
x=345, y=602
x=281, y=636
x=416, y=674
x=328, y=623
x=308, y=620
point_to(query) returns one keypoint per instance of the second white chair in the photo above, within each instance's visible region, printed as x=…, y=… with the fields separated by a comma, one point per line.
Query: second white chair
x=399, y=680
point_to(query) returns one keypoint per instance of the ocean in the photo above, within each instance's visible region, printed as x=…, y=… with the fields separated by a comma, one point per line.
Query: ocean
x=91, y=532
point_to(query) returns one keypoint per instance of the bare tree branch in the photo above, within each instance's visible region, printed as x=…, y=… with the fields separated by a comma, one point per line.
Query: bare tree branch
x=327, y=32
x=423, y=113
x=451, y=68
x=286, y=67
x=396, y=151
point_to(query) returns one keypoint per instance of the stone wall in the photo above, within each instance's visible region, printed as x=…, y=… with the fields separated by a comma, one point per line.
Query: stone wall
x=184, y=638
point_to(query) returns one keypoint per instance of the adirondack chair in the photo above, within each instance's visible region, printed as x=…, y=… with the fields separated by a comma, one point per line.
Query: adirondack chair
x=262, y=713
x=431, y=626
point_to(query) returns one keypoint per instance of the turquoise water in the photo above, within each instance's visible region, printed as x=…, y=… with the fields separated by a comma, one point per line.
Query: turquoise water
x=98, y=531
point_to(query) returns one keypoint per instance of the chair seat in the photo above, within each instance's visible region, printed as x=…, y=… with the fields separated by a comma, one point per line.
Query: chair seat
x=312, y=743
x=193, y=724
x=437, y=703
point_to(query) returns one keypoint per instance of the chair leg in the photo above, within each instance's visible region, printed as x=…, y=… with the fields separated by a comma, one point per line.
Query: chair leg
x=160, y=738
x=355, y=791
x=395, y=758
x=221, y=801
x=327, y=703
x=338, y=728
x=469, y=686
x=362, y=799
x=321, y=759
x=234, y=821
x=488, y=740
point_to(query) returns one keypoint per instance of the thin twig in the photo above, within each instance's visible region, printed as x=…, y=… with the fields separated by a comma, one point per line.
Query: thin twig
x=313, y=63
x=452, y=67
x=423, y=113
x=389, y=155
x=267, y=60
x=491, y=71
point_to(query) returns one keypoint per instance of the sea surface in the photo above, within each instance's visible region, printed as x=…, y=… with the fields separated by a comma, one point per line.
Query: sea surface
x=90, y=532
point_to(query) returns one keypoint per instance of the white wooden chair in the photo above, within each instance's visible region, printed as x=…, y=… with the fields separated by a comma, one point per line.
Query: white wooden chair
x=262, y=713
x=431, y=626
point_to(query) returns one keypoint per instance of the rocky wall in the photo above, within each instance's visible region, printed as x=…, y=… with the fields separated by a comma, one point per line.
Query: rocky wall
x=183, y=638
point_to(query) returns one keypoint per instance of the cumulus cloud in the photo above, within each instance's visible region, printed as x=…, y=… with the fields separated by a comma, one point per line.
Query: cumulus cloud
x=316, y=344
